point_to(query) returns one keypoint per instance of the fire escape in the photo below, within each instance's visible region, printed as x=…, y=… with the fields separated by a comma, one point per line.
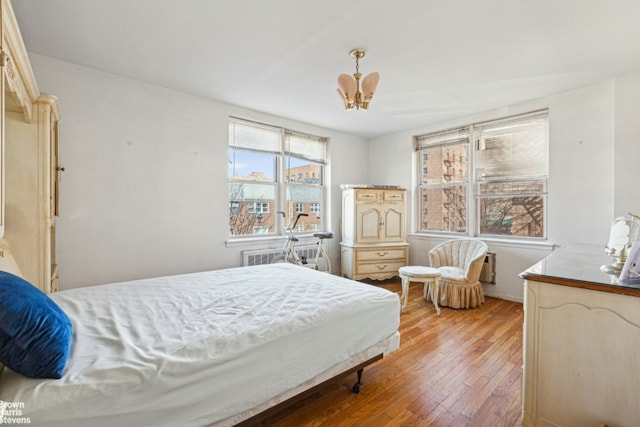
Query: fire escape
x=532, y=216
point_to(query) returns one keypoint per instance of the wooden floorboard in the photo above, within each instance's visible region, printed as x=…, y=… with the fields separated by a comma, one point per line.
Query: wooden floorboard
x=463, y=368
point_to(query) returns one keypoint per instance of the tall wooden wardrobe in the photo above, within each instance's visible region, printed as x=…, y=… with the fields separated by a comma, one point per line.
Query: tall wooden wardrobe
x=373, y=242
x=29, y=199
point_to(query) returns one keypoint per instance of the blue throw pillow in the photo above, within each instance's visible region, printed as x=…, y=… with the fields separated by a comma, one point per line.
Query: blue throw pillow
x=35, y=334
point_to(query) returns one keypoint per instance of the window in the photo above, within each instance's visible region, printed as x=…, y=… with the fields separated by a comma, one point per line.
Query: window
x=272, y=169
x=443, y=194
x=511, y=176
x=509, y=167
x=305, y=156
x=261, y=229
x=257, y=208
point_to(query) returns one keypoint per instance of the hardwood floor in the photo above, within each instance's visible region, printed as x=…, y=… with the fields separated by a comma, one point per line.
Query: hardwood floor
x=463, y=368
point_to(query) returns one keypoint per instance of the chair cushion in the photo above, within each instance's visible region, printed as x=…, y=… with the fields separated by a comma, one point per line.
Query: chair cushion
x=463, y=253
x=418, y=271
x=452, y=273
x=35, y=334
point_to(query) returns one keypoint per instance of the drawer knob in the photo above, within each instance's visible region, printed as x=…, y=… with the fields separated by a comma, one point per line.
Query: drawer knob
x=382, y=267
x=382, y=253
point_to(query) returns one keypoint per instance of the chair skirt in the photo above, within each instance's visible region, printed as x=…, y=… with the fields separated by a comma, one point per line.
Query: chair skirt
x=456, y=294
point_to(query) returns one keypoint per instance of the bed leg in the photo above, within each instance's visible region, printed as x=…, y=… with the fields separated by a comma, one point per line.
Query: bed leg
x=356, y=387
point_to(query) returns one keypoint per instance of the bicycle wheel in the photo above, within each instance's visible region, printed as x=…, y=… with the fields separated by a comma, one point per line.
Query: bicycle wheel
x=323, y=262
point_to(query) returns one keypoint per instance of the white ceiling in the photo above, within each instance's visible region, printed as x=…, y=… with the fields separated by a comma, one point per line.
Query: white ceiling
x=438, y=59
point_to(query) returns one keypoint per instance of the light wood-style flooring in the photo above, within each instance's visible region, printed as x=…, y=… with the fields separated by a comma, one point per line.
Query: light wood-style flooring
x=463, y=368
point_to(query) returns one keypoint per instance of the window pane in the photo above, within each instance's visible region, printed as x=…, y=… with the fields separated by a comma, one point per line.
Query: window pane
x=440, y=138
x=509, y=154
x=512, y=216
x=251, y=165
x=306, y=146
x=306, y=197
x=302, y=171
x=444, y=164
x=251, y=208
x=260, y=229
x=521, y=188
x=513, y=149
x=254, y=136
x=444, y=208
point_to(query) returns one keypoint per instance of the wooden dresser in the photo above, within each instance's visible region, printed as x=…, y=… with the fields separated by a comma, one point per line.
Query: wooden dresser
x=581, y=343
x=373, y=242
x=29, y=168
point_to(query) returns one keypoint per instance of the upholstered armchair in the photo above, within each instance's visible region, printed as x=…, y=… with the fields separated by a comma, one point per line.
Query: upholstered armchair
x=460, y=263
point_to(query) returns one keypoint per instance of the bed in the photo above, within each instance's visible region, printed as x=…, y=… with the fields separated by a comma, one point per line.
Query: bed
x=210, y=348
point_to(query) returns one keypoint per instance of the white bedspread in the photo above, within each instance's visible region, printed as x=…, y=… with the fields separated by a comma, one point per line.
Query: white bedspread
x=198, y=348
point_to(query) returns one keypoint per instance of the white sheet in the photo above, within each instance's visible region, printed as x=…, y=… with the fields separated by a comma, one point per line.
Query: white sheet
x=199, y=348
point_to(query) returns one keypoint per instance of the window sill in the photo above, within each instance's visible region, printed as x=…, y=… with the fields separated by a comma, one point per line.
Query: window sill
x=268, y=241
x=543, y=245
x=252, y=241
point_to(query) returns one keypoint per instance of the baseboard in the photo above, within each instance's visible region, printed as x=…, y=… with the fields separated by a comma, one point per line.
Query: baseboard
x=505, y=297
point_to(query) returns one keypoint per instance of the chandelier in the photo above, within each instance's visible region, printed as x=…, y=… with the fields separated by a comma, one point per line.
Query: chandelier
x=349, y=87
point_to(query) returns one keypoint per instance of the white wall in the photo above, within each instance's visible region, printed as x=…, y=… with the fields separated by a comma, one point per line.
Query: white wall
x=144, y=192
x=581, y=177
x=627, y=145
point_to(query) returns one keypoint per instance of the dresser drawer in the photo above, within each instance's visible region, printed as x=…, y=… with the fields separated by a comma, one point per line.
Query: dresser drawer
x=380, y=254
x=368, y=195
x=380, y=267
x=395, y=196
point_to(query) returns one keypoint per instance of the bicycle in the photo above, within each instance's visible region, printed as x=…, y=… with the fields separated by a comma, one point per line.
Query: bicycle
x=320, y=261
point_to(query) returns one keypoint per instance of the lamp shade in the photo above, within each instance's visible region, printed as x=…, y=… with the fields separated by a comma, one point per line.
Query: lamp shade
x=369, y=85
x=348, y=86
x=344, y=100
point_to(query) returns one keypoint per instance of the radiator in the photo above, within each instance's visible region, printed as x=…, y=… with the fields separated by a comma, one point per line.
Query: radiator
x=488, y=273
x=265, y=256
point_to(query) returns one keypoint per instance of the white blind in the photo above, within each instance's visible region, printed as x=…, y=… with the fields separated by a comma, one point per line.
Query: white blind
x=254, y=136
x=512, y=149
x=306, y=146
x=445, y=137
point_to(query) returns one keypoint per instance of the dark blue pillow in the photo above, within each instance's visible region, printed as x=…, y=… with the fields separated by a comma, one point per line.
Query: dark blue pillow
x=35, y=334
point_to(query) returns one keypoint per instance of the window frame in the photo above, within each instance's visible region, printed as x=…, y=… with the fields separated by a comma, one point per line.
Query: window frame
x=257, y=207
x=473, y=197
x=317, y=154
x=447, y=138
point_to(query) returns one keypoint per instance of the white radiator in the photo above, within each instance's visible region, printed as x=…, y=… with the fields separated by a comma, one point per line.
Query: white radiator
x=488, y=273
x=265, y=256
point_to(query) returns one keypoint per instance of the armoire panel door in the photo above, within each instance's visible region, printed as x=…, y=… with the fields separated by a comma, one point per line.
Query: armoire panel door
x=393, y=225
x=368, y=220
